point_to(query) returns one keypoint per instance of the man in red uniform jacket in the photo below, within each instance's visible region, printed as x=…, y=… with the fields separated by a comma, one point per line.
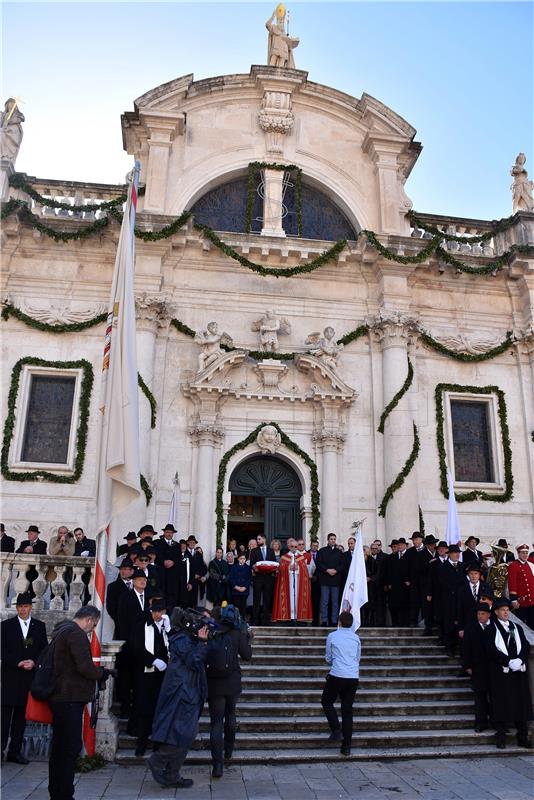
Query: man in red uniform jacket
x=521, y=585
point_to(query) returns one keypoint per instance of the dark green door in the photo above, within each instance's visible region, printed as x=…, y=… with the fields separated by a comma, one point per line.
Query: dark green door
x=282, y=519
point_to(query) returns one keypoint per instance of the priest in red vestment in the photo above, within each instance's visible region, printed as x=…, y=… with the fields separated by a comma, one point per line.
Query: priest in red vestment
x=292, y=594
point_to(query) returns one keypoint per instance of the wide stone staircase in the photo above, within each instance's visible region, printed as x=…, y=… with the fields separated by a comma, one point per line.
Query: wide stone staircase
x=410, y=702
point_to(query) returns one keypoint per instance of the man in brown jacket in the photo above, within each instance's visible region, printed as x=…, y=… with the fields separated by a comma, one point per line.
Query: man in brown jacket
x=75, y=676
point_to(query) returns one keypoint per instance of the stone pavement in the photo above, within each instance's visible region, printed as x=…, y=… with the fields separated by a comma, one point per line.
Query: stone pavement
x=509, y=778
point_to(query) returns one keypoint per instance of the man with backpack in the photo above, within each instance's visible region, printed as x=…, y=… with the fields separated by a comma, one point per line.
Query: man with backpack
x=230, y=642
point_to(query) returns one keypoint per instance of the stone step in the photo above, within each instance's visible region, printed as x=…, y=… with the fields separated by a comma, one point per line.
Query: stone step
x=293, y=695
x=368, y=650
x=319, y=667
x=371, y=754
x=363, y=633
x=316, y=681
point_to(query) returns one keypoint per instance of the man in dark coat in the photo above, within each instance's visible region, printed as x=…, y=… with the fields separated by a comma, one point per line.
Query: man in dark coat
x=507, y=651
x=507, y=555
x=433, y=587
x=7, y=543
x=328, y=567
x=126, y=549
x=187, y=585
x=23, y=640
x=131, y=609
x=397, y=580
x=154, y=575
x=475, y=663
x=181, y=698
x=418, y=558
x=84, y=546
x=451, y=578
x=231, y=642
x=116, y=589
x=32, y=545
x=470, y=555
x=375, y=591
x=470, y=593
x=262, y=583
x=151, y=653
x=167, y=557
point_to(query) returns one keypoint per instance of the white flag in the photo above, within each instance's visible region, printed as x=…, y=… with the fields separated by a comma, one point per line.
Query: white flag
x=118, y=465
x=452, y=534
x=174, y=510
x=355, y=591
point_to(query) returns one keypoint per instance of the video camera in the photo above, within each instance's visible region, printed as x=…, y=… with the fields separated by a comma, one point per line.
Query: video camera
x=191, y=621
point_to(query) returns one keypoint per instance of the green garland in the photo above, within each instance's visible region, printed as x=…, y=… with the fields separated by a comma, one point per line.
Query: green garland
x=310, y=463
x=9, y=310
x=18, y=181
x=505, y=345
x=146, y=489
x=151, y=399
x=81, y=433
x=253, y=168
x=421, y=522
x=351, y=336
x=498, y=227
x=287, y=272
x=476, y=494
x=396, y=398
x=183, y=328
x=59, y=236
x=390, y=256
x=401, y=477
x=163, y=233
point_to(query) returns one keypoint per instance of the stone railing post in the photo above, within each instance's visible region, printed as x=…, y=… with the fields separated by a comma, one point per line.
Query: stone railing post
x=107, y=726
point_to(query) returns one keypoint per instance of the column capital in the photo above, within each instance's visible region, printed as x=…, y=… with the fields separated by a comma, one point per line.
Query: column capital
x=394, y=328
x=329, y=441
x=202, y=433
x=152, y=312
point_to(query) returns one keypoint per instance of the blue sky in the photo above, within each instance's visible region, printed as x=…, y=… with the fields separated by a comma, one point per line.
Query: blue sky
x=460, y=73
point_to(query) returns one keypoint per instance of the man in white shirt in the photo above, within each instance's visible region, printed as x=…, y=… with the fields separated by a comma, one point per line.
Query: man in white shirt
x=343, y=651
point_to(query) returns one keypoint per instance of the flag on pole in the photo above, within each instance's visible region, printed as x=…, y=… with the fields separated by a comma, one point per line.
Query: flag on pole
x=355, y=591
x=118, y=461
x=174, y=510
x=452, y=533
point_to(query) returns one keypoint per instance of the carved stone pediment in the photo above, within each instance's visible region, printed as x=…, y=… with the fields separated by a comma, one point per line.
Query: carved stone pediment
x=235, y=375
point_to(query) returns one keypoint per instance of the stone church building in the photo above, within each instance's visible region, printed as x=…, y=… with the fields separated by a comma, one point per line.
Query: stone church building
x=310, y=351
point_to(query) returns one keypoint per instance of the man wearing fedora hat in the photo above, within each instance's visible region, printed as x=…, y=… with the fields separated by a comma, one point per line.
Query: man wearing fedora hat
x=23, y=639
x=433, y=587
x=507, y=556
x=475, y=664
x=126, y=549
x=32, y=545
x=167, y=556
x=418, y=558
x=470, y=553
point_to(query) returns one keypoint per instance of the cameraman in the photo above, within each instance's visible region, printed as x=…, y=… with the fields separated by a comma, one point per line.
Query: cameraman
x=224, y=681
x=74, y=677
x=181, y=697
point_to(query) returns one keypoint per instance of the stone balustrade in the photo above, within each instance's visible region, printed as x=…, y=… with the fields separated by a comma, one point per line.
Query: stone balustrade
x=74, y=193
x=56, y=582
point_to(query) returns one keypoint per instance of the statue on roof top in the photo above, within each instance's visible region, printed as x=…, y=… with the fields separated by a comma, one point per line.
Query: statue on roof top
x=281, y=44
x=521, y=187
x=11, y=119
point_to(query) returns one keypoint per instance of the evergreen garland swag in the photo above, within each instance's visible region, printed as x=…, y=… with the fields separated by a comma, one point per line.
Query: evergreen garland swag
x=396, y=398
x=18, y=181
x=476, y=494
x=421, y=522
x=9, y=310
x=151, y=399
x=403, y=474
x=81, y=433
x=146, y=489
x=498, y=227
x=310, y=463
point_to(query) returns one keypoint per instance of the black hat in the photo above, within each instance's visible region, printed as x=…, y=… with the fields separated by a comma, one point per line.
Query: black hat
x=24, y=599
x=393, y=541
x=130, y=536
x=192, y=538
x=169, y=527
x=483, y=607
x=126, y=562
x=138, y=573
x=430, y=539
x=474, y=566
x=502, y=543
x=442, y=544
x=501, y=602
x=146, y=529
x=474, y=538
x=33, y=529
x=416, y=535
x=158, y=604
x=453, y=548
x=402, y=540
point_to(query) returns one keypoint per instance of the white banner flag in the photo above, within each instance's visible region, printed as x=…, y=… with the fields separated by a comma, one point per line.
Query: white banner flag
x=118, y=464
x=355, y=591
x=174, y=510
x=452, y=534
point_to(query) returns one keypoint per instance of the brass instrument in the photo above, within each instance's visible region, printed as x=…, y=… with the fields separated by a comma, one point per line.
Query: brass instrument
x=498, y=572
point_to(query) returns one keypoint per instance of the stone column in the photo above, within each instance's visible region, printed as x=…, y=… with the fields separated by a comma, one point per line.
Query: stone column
x=385, y=150
x=395, y=331
x=162, y=127
x=273, y=202
x=207, y=437
x=330, y=443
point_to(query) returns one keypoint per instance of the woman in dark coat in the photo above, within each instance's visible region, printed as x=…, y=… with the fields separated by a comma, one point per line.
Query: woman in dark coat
x=218, y=579
x=181, y=698
x=508, y=650
x=240, y=580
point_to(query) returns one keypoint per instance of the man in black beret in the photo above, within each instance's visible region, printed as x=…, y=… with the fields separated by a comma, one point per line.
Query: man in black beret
x=475, y=663
x=23, y=638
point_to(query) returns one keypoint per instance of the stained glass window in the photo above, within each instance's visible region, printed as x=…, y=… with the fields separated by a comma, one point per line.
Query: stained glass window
x=48, y=419
x=471, y=439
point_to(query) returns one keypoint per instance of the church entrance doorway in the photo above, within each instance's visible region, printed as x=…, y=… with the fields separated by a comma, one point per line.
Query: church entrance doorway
x=265, y=498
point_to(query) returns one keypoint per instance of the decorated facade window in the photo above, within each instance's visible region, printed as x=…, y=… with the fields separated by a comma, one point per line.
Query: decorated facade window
x=471, y=437
x=48, y=419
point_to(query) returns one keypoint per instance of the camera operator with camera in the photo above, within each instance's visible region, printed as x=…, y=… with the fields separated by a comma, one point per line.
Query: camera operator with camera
x=228, y=644
x=181, y=697
x=75, y=676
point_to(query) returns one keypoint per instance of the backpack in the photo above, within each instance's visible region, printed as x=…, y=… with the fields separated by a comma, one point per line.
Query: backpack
x=222, y=657
x=45, y=681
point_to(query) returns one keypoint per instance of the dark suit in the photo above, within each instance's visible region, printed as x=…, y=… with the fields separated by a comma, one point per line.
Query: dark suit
x=83, y=545
x=39, y=547
x=418, y=561
x=168, y=552
x=187, y=598
x=16, y=681
x=147, y=684
x=467, y=604
x=115, y=590
x=262, y=587
x=470, y=557
x=329, y=558
x=475, y=660
x=129, y=613
x=396, y=575
x=451, y=579
x=433, y=590
x=7, y=544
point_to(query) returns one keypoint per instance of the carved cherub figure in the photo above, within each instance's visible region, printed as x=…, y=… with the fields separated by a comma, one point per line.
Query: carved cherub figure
x=210, y=342
x=268, y=440
x=324, y=346
x=269, y=326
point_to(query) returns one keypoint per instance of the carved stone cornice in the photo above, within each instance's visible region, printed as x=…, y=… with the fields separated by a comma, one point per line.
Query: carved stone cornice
x=60, y=312
x=394, y=328
x=329, y=440
x=202, y=433
x=152, y=312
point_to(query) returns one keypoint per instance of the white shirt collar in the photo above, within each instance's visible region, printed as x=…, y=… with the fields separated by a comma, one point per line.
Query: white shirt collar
x=24, y=625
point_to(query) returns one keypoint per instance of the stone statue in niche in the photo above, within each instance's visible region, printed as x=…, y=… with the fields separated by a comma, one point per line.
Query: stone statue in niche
x=210, y=342
x=11, y=120
x=268, y=440
x=269, y=327
x=324, y=346
x=521, y=187
x=280, y=45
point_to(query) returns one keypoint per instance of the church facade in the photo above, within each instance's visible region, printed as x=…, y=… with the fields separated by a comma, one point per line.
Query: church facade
x=310, y=351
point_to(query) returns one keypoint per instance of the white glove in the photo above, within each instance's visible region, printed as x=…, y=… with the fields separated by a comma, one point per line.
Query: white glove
x=160, y=665
x=84, y=553
x=166, y=623
x=515, y=664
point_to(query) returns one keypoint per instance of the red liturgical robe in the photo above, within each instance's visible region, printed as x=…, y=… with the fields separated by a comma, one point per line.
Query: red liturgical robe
x=292, y=595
